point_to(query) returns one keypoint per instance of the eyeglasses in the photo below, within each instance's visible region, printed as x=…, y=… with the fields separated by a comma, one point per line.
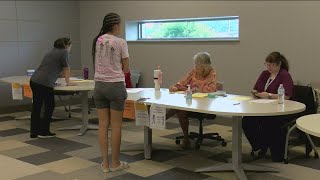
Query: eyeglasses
x=270, y=64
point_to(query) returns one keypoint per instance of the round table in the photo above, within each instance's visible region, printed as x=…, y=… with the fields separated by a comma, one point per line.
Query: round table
x=309, y=124
x=231, y=105
x=82, y=86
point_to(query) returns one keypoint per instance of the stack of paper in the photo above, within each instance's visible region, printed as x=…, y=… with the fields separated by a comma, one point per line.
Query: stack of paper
x=199, y=95
x=241, y=98
x=80, y=81
x=262, y=101
x=177, y=92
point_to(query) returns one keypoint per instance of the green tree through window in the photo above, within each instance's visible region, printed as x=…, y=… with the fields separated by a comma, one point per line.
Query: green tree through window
x=183, y=30
x=209, y=28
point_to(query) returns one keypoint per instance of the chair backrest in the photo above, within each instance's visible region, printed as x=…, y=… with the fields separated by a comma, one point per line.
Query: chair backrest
x=132, y=71
x=305, y=95
x=220, y=85
x=135, y=76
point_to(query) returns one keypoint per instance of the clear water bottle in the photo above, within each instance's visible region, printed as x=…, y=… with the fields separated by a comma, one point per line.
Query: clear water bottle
x=281, y=94
x=188, y=94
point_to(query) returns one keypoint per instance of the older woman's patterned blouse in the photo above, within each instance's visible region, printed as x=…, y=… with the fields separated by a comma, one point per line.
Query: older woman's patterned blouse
x=208, y=84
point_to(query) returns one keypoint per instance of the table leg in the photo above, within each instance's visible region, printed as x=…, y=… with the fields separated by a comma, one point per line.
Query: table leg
x=85, y=124
x=236, y=164
x=147, y=142
x=312, y=144
x=146, y=146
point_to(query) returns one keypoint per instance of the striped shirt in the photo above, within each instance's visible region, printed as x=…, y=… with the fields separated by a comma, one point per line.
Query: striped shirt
x=109, y=52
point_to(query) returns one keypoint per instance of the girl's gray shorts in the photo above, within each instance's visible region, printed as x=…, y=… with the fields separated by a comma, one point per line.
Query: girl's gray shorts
x=111, y=95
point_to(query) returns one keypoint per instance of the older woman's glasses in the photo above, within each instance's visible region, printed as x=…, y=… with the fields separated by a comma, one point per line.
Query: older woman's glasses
x=270, y=64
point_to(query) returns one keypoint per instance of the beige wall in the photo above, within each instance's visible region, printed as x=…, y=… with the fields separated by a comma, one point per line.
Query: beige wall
x=28, y=30
x=289, y=27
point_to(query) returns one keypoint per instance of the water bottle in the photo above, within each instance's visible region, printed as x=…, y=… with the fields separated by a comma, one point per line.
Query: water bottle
x=188, y=94
x=30, y=72
x=281, y=94
x=85, y=73
x=157, y=76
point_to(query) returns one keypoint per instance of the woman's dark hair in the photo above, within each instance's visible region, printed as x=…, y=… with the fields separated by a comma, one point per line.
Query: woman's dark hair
x=276, y=57
x=62, y=43
x=109, y=21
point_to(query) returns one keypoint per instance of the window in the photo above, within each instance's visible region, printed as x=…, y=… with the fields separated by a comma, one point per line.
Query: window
x=208, y=29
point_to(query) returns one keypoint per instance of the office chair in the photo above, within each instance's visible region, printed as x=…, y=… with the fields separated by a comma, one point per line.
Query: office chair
x=200, y=136
x=135, y=76
x=305, y=95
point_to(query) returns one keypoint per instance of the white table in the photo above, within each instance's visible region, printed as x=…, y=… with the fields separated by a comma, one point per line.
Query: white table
x=219, y=106
x=310, y=125
x=82, y=87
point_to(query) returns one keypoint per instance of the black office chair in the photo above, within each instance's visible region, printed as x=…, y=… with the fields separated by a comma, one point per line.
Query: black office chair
x=200, y=136
x=305, y=95
x=67, y=108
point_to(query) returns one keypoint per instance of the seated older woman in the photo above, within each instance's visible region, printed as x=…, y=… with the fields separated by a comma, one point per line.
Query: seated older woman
x=202, y=78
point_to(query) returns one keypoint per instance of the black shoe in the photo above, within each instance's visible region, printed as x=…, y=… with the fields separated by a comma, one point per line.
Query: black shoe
x=33, y=136
x=48, y=135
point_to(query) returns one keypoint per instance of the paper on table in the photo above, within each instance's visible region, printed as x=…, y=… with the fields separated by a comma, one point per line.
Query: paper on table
x=141, y=114
x=177, y=92
x=241, y=98
x=157, y=117
x=60, y=84
x=27, y=91
x=199, y=95
x=129, y=110
x=134, y=90
x=75, y=78
x=83, y=80
x=16, y=91
x=263, y=101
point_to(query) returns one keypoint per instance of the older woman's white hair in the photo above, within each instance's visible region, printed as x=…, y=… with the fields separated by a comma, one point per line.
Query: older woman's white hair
x=203, y=59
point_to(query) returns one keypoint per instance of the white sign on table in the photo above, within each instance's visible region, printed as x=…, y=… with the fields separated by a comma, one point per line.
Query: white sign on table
x=141, y=114
x=157, y=117
x=17, y=91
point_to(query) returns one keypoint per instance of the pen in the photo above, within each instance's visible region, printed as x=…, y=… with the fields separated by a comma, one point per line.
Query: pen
x=236, y=104
x=142, y=99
